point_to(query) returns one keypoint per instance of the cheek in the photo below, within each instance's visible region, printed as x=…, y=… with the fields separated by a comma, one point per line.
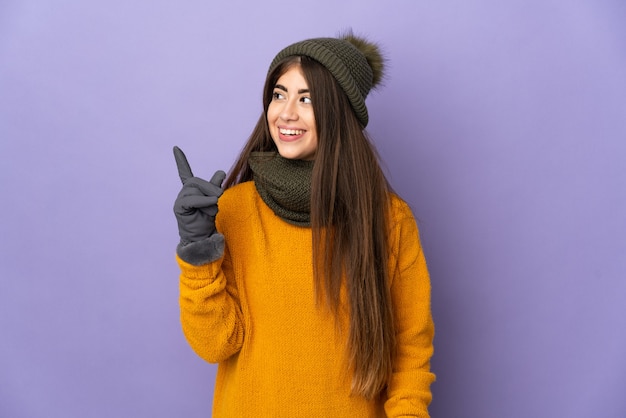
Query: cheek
x=311, y=121
x=271, y=122
x=269, y=115
x=272, y=112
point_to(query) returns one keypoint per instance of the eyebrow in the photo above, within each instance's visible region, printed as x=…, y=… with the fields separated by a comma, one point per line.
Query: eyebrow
x=280, y=86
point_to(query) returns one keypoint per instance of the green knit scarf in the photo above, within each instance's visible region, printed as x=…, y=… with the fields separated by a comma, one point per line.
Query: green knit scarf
x=284, y=185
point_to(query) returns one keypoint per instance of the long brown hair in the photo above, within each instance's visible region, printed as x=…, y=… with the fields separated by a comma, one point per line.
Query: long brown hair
x=349, y=204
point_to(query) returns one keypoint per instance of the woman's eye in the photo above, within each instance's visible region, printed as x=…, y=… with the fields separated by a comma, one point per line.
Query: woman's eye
x=306, y=100
x=277, y=96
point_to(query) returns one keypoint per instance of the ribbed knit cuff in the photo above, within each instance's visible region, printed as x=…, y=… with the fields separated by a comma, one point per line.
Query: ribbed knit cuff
x=202, y=252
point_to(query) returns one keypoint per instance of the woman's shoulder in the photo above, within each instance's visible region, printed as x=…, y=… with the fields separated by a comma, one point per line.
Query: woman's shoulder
x=403, y=230
x=399, y=209
x=237, y=196
x=239, y=190
x=238, y=202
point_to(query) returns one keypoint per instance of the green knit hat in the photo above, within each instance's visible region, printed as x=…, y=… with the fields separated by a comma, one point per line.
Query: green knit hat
x=356, y=64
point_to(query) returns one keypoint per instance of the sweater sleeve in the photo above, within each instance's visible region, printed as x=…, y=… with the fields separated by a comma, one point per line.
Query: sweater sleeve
x=408, y=391
x=210, y=310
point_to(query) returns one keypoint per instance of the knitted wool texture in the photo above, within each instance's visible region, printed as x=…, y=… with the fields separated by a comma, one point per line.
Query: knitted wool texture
x=345, y=62
x=284, y=185
x=280, y=353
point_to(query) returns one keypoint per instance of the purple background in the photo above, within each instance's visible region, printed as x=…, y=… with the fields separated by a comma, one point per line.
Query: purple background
x=502, y=123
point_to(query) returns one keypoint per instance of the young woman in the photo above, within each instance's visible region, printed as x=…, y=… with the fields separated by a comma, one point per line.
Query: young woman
x=309, y=287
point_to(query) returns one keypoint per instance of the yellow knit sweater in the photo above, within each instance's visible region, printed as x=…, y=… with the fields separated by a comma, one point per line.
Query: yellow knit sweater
x=280, y=355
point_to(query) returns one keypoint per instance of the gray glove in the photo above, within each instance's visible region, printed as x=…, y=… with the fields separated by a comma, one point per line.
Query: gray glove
x=195, y=209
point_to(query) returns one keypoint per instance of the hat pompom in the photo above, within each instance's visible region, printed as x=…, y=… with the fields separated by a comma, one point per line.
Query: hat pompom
x=372, y=53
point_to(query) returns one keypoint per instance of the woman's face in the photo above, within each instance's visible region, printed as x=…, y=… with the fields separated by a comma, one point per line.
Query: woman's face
x=290, y=117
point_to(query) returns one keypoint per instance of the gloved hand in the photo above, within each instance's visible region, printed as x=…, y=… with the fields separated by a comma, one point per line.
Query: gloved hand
x=196, y=205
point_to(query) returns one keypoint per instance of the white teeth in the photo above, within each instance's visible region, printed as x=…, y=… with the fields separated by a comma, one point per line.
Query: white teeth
x=291, y=131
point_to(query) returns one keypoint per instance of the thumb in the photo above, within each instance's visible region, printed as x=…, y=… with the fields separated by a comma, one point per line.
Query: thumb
x=218, y=178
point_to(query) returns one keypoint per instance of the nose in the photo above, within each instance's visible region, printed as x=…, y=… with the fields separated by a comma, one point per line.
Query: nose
x=289, y=111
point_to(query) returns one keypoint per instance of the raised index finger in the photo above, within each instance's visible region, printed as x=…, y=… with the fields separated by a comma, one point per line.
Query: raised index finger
x=184, y=170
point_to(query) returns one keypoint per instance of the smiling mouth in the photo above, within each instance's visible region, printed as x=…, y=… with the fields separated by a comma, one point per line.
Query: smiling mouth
x=291, y=132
